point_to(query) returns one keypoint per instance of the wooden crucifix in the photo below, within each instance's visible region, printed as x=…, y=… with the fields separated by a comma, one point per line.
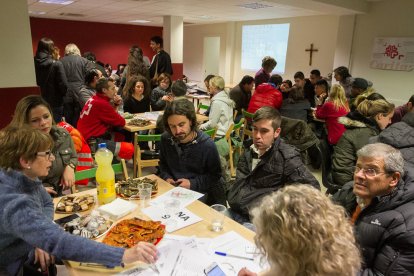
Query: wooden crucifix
x=311, y=50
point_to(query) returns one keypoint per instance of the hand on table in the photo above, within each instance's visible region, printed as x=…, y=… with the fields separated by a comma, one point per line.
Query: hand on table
x=143, y=251
x=245, y=272
x=44, y=259
x=50, y=191
x=183, y=182
x=171, y=181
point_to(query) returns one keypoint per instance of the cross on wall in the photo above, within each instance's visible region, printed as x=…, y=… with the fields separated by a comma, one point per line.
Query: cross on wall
x=311, y=50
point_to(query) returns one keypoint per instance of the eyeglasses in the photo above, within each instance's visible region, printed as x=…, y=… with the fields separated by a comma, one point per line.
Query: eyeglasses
x=370, y=172
x=48, y=154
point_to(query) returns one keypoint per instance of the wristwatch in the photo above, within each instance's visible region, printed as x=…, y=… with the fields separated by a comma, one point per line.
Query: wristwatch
x=72, y=166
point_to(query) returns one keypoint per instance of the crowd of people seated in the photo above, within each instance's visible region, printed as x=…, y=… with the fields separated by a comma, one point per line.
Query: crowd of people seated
x=365, y=227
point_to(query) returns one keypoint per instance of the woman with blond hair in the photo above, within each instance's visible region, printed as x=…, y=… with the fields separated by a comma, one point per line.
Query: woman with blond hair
x=335, y=107
x=221, y=108
x=301, y=232
x=368, y=120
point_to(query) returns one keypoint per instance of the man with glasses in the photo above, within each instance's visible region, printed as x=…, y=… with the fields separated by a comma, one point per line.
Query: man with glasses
x=380, y=202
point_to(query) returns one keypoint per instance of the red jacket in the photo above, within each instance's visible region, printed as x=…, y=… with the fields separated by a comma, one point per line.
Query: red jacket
x=98, y=116
x=328, y=113
x=265, y=94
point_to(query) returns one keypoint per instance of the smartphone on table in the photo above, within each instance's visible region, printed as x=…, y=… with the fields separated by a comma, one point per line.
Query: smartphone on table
x=214, y=270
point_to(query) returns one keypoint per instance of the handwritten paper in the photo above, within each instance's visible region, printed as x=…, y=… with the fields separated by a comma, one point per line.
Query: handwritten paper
x=180, y=219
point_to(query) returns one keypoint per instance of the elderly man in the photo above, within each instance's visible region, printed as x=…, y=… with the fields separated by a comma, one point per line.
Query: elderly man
x=381, y=202
x=268, y=165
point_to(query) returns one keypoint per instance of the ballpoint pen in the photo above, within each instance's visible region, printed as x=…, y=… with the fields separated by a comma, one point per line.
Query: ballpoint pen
x=234, y=256
x=154, y=267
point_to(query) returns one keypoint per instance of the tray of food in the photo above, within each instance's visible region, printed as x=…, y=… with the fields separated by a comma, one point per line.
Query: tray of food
x=129, y=232
x=73, y=204
x=140, y=122
x=91, y=226
x=128, y=189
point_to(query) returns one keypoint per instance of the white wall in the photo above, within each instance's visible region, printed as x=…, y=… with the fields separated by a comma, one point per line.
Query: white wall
x=16, y=58
x=319, y=30
x=386, y=18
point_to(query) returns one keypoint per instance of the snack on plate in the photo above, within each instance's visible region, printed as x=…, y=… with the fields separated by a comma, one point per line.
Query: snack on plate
x=72, y=204
x=129, y=232
x=140, y=122
x=129, y=188
x=127, y=115
x=91, y=226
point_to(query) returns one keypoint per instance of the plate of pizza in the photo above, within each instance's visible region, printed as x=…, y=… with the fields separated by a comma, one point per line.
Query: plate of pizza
x=129, y=232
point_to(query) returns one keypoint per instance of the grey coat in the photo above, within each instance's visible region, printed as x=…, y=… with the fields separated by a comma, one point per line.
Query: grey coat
x=64, y=152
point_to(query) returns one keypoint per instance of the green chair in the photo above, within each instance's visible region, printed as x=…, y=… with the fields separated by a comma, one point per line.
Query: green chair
x=202, y=106
x=139, y=163
x=211, y=132
x=236, y=129
x=248, y=117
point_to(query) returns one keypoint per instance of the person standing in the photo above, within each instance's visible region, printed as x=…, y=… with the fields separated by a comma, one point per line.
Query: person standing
x=161, y=62
x=50, y=77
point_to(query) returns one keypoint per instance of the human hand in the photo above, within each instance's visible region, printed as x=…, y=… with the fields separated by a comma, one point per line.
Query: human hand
x=117, y=100
x=44, y=259
x=245, y=272
x=171, y=181
x=143, y=251
x=183, y=182
x=68, y=178
x=50, y=191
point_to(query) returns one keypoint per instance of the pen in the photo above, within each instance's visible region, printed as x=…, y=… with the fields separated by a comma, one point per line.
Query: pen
x=234, y=256
x=154, y=268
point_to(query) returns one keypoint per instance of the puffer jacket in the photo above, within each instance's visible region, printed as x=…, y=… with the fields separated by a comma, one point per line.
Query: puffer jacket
x=358, y=131
x=384, y=230
x=51, y=78
x=265, y=94
x=64, y=152
x=279, y=166
x=401, y=136
x=221, y=114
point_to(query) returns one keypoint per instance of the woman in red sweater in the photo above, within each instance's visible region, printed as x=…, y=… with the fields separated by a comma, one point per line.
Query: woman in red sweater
x=336, y=106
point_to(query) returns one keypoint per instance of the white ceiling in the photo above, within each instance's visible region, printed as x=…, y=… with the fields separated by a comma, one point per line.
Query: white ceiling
x=192, y=11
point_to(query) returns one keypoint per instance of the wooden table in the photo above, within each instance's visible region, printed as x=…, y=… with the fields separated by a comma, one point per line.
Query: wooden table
x=200, y=229
x=197, y=97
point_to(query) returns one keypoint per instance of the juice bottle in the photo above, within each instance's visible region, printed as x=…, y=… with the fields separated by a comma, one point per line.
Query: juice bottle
x=105, y=175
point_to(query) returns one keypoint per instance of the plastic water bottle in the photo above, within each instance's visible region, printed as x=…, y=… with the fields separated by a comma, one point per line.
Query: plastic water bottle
x=105, y=175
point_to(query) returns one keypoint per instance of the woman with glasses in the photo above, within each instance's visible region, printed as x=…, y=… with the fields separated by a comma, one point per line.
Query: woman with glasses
x=35, y=112
x=27, y=232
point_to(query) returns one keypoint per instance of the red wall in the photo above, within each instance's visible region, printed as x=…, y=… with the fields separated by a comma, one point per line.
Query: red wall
x=109, y=42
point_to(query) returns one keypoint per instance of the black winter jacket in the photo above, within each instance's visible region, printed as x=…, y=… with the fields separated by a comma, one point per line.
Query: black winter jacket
x=279, y=166
x=401, y=136
x=51, y=78
x=385, y=229
x=164, y=64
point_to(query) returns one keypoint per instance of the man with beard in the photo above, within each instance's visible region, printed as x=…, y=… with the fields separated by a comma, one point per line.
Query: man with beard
x=266, y=166
x=188, y=157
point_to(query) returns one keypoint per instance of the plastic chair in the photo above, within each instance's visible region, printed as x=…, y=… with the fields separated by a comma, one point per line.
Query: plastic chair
x=211, y=132
x=91, y=173
x=202, y=106
x=139, y=162
x=248, y=117
x=236, y=129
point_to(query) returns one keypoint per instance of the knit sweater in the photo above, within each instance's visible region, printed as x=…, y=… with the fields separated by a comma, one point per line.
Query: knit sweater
x=26, y=222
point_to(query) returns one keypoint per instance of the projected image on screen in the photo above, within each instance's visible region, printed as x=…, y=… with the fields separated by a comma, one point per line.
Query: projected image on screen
x=259, y=41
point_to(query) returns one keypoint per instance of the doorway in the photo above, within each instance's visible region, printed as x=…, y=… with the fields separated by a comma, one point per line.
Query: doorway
x=211, y=56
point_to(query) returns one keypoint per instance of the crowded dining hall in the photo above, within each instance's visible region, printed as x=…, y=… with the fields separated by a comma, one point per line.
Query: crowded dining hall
x=163, y=140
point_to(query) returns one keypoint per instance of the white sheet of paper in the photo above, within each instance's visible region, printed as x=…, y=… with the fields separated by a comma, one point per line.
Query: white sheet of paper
x=181, y=219
x=232, y=243
x=185, y=196
x=117, y=208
